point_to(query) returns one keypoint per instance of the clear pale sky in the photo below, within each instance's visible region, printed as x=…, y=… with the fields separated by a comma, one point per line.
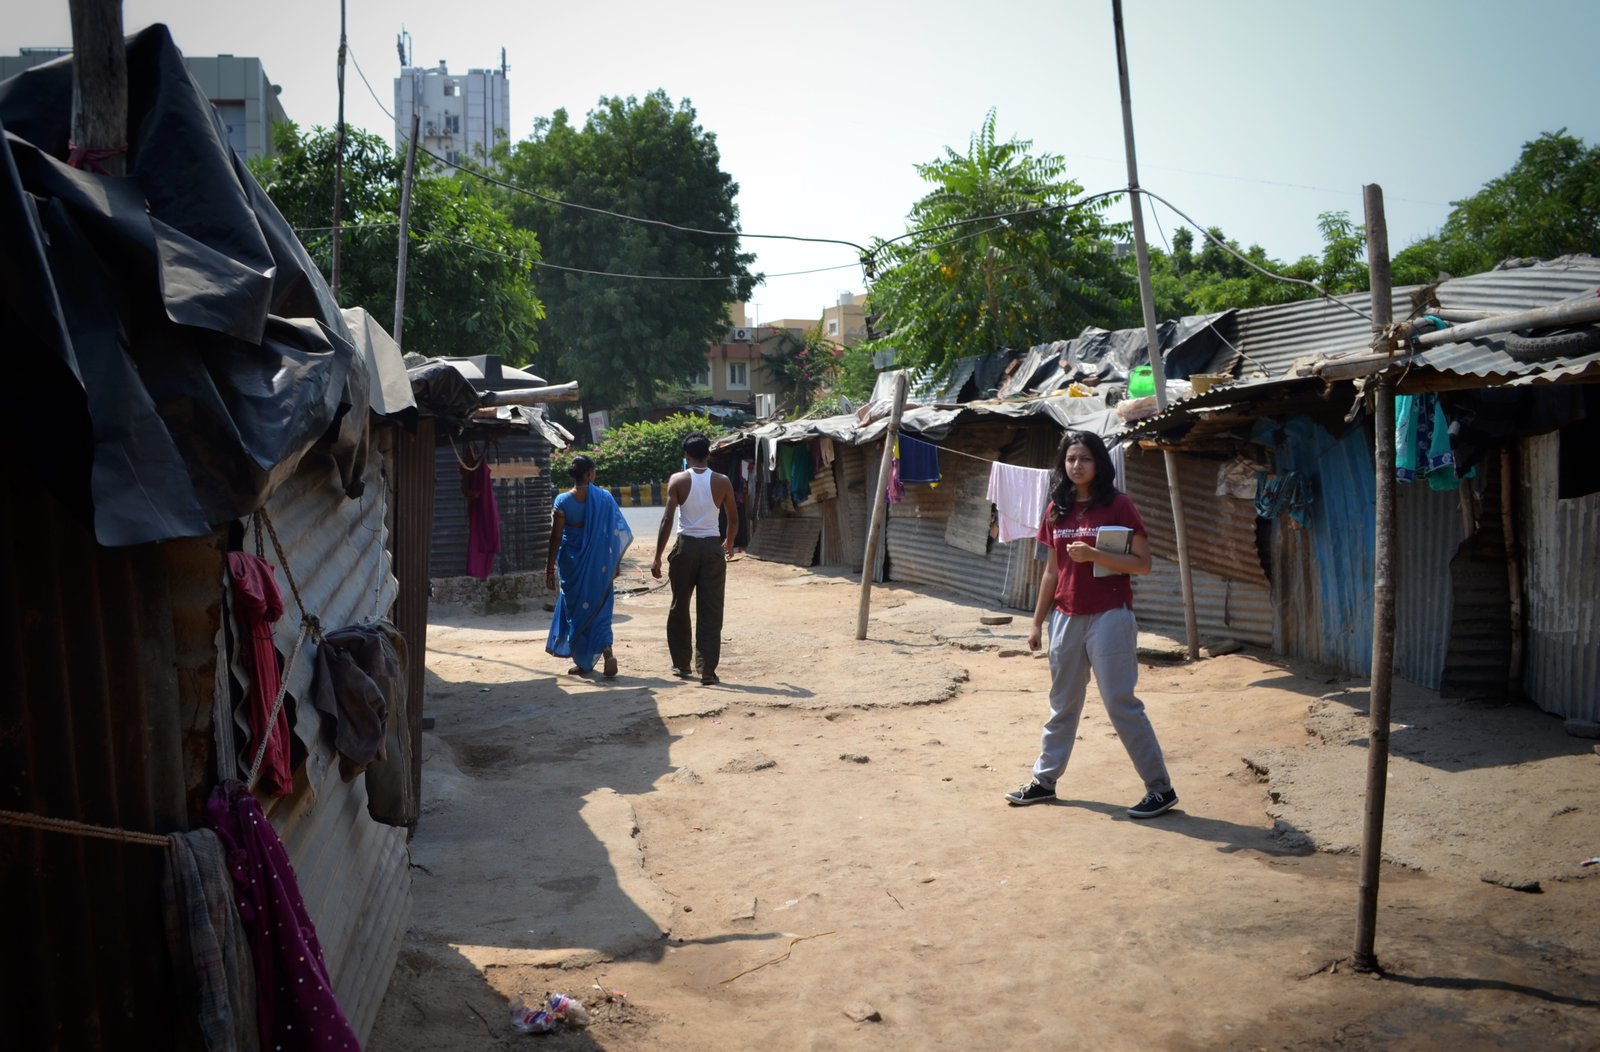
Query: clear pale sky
x=1251, y=116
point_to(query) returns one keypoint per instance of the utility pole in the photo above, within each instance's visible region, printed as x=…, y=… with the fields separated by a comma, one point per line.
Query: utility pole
x=1380, y=694
x=1157, y=365
x=99, y=87
x=338, y=163
x=405, y=226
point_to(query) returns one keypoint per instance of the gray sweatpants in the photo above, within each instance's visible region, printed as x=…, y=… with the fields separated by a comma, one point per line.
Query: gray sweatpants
x=1108, y=644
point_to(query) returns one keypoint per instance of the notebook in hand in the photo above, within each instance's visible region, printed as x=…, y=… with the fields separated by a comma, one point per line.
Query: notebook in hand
x=1117, y=539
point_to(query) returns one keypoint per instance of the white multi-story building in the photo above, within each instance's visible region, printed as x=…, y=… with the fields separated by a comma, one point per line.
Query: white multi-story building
x=462, y=114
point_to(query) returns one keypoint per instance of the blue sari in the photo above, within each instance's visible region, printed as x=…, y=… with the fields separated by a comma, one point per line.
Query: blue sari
x=586, y=563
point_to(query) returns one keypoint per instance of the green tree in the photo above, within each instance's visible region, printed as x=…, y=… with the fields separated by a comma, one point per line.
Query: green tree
x=961, y=283
x=1546, y=205
x=620, y=337
x=469, y=275
x=1215, y=279
x=800, y=366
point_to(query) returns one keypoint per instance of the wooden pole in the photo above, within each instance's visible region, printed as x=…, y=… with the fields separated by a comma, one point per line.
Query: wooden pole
x=99, y=86
x=405, y=228
x=1508, y=520
x=338, y=165
x=1383, y=596
x=1157, y=365
x=880, y=504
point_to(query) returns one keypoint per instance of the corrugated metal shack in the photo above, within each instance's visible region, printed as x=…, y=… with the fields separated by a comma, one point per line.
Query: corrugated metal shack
x=1455, y=623
x=518, y=442
x=186, y=367
x=1303, y=588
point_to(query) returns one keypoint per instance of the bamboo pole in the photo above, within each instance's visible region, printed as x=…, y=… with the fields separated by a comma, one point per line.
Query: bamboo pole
x=99, y=85
x=880, y=504
x=1383, y=598
x=405, y=228
x=1157, y=365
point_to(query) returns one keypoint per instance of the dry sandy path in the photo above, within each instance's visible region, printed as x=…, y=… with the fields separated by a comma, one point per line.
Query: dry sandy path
x=840, y=802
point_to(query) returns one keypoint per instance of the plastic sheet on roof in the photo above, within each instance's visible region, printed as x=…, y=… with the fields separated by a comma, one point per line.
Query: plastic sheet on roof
x=188, y=349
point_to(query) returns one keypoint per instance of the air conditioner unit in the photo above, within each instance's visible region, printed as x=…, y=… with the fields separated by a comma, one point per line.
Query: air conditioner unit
x=765, y=405
x=740, y=336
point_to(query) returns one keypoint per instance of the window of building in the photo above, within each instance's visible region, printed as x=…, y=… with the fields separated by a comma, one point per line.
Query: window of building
x=833, y=328
x=738, y=376
x=449, y=87
x=452, y=124
x=703, y=377
x=453, y=156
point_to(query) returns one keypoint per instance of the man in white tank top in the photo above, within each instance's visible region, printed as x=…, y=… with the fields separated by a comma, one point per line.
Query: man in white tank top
x=698, y=563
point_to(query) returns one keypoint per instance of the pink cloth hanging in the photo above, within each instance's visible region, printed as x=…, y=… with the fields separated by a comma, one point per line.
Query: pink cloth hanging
x=483, y=519
x=259, y=604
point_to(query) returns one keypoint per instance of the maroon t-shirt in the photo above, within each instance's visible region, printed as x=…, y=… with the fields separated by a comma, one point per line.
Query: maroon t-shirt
x=1078, y=590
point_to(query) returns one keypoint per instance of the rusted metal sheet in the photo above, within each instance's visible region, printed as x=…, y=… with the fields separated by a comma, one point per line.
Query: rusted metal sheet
x=1221, y=530
x=411, y=525
x=1233, y=598
x=1560, y=539
x=91, y=729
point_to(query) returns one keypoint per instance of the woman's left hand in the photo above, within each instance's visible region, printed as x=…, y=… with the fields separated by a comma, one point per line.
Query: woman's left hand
x=550, y=580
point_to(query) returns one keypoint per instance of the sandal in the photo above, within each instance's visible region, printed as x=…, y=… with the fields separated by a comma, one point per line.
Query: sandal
x=576, y=671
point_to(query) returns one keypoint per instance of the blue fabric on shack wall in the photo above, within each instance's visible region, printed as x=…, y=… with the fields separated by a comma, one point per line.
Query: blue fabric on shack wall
x=1342, y=533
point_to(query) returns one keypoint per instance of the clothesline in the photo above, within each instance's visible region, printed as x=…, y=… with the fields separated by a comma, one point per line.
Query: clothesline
x=957, y=452
x=67, y=825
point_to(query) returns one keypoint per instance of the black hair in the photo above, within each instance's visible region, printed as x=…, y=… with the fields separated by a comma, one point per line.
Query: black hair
x=696, y=446
x=1103, y=490
x=581, y=466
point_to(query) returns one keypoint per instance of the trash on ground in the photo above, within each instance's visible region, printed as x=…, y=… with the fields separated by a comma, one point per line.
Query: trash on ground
x=542, y=1015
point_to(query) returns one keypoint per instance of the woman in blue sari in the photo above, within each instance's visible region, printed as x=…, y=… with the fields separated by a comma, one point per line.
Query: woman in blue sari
x=588, y=537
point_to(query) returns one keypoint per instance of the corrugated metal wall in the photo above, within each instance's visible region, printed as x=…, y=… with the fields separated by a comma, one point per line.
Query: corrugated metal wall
x=93, y=727
x=1560, y=538
x=411, y=525
x=1428, y=531
x=919, y=527
x=1233, y=598
x=352, y=871
x=1323, y=573
x=1224, y=608
x=524, y=499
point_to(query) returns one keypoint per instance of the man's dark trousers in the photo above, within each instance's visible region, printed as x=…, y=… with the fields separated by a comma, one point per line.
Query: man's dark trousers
x=695, y=567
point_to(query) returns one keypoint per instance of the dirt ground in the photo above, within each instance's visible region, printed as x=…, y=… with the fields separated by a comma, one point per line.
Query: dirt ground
x=816, y=854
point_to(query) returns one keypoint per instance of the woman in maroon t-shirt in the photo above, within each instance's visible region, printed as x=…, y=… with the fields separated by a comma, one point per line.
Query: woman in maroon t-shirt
x=1086, y=602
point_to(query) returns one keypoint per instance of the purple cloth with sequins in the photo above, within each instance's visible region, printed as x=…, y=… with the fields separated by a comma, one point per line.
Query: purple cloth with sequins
x=295, y=1006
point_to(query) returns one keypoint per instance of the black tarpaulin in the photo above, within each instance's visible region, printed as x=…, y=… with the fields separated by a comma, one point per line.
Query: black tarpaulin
x=185, y=348
x=1099, y=356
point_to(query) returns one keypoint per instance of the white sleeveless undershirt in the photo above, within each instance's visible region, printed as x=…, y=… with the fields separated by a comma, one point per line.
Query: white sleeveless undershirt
x=697, y=516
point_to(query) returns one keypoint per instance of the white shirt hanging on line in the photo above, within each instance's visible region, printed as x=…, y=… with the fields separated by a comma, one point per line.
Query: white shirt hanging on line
x=1019, y=495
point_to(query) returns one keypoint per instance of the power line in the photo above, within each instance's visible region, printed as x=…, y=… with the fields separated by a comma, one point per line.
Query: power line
x=556, y=266
x=351, y=52
x=1252, y=264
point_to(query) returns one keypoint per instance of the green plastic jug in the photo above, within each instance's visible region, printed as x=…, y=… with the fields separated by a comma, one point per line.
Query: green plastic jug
x=1141, y=384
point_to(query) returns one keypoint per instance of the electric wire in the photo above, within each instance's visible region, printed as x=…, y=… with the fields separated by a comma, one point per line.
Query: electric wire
x=1252, y=264
x=867, y=255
